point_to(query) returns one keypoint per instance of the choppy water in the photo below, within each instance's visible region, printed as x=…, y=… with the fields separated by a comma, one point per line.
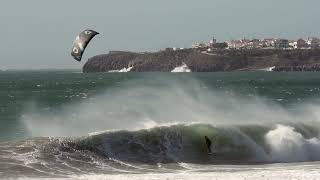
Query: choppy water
x=151, y=125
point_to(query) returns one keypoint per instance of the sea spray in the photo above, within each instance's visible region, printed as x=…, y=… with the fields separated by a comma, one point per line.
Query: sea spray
x=145, y=103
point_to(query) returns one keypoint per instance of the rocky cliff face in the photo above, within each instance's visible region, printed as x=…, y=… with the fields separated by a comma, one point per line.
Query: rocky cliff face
x=197, y=61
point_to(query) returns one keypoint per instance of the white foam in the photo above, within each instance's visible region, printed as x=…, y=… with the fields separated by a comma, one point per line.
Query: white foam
x=287, y=145
x=122, y=70
x=268, y=68
x=182, y=68
x=296, y=174
x=271, y=174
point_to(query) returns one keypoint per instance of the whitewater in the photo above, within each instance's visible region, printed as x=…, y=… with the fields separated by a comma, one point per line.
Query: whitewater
x=152, y=126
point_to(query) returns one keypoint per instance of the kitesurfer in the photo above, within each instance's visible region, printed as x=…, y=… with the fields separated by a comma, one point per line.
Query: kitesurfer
x=208, y=143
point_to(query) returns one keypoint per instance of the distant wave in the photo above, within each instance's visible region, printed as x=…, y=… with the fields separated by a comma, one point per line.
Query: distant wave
x=122, y=70
x=268, y=68
x=182, y=68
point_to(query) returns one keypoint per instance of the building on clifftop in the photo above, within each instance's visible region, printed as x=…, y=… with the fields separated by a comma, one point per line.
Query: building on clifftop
x=282, y=44
x=302, y=44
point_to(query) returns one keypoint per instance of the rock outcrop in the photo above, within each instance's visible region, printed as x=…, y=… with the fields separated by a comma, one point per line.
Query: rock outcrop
x=199, y=61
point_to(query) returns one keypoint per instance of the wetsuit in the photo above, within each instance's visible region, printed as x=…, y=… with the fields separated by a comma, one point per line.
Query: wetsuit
x=208, y=142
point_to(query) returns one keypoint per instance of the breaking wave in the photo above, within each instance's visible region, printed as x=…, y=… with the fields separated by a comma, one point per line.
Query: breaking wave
x=183, y=68
x=122, y=70
x=167, y=147
x=231, y=144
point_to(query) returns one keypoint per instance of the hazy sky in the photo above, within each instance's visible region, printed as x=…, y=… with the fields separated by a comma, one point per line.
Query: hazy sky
x=39, y=33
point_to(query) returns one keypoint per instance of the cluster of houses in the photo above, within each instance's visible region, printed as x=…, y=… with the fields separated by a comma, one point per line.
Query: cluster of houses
x=272, y=43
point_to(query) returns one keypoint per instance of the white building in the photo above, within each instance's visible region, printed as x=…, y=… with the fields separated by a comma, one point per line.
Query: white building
x=199, y=45
x=269, y=43
x=293, y=44
x=282, y=43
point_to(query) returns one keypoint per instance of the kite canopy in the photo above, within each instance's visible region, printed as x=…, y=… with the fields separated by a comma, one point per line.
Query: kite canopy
x=81, y=42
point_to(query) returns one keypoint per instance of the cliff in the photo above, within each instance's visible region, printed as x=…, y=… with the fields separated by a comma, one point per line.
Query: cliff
x=198, y=61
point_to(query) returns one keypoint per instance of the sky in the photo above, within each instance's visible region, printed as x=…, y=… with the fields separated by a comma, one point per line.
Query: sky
x=37, y=34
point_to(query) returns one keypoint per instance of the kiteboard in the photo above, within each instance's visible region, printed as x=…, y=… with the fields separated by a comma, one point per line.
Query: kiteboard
x=212, y=153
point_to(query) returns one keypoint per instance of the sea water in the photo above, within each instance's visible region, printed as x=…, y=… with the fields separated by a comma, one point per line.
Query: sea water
x=69, y=125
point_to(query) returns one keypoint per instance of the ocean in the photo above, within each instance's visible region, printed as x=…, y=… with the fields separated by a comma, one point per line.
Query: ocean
x=70, y=125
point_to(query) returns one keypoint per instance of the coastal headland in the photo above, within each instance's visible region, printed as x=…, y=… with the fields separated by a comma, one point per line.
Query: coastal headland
x=198, y=60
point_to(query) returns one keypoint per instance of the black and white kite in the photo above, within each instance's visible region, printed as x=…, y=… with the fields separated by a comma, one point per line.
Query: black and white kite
x=81, y=42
